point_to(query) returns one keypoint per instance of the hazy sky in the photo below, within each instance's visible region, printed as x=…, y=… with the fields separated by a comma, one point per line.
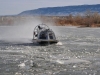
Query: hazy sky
x=10, y=7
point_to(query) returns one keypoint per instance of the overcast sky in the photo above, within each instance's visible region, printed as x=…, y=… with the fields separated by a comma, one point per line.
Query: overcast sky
x=11, y=7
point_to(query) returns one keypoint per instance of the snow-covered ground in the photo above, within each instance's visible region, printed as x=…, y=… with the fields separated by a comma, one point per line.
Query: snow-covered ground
x=78, y=54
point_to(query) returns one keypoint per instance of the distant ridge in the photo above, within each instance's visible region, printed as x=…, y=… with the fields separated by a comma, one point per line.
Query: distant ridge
x=62, y=11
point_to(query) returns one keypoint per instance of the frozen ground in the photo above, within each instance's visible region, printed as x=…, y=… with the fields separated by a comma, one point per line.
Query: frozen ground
x=79, y=53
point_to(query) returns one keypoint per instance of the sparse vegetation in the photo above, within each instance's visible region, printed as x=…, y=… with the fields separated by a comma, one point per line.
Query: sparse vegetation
x=88, y=19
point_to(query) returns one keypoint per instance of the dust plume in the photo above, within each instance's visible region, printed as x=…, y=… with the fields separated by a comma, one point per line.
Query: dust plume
x=20, y=32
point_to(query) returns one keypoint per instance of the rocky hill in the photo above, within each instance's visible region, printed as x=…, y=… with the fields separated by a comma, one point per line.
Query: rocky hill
x=62, y=11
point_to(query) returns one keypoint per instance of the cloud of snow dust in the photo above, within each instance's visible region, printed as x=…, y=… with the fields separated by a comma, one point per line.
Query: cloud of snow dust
x=22, y=32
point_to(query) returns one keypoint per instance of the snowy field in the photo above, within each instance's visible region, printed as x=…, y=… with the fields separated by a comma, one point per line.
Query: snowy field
x=77, y=54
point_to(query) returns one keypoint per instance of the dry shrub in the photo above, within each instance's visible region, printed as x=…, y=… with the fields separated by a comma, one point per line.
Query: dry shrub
x=89, y=19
